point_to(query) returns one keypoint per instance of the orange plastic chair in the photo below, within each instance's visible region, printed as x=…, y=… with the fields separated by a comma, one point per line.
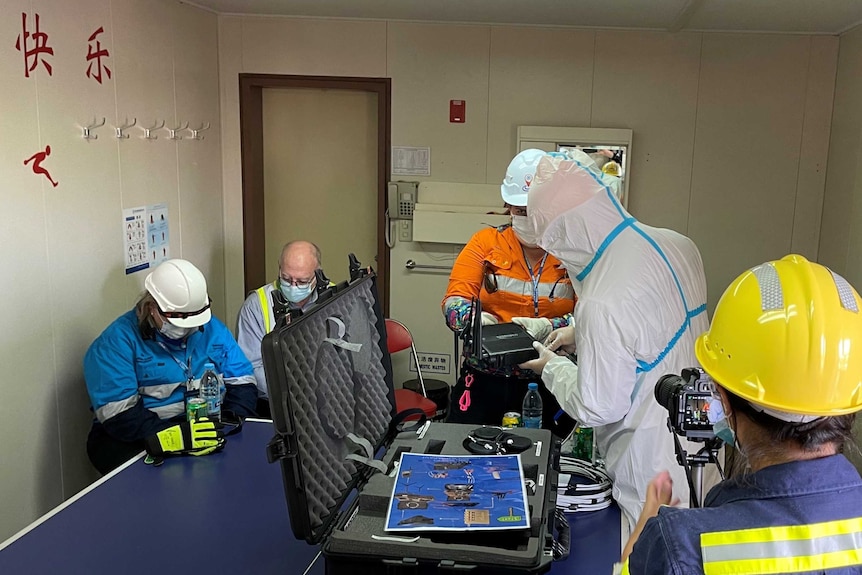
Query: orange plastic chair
x=398, y=338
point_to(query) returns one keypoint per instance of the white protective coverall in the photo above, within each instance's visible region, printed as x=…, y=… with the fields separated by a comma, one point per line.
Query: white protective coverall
x=641, y=304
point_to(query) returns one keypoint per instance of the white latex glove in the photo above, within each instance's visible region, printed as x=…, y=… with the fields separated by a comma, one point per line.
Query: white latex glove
x=489, y=319
x=538, y=327
x=538, y=364
x=562, y=338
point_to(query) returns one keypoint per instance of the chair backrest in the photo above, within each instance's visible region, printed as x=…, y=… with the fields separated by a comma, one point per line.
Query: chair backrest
x=398, y=337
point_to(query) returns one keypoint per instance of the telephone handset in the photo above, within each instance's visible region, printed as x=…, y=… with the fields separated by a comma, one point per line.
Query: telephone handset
x=402, y=200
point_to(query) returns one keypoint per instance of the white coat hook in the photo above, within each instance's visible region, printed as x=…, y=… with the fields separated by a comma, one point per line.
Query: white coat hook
x=148, y=132
x=125, y=126
x=93, y=126
x=196, y=133
x=173, y=131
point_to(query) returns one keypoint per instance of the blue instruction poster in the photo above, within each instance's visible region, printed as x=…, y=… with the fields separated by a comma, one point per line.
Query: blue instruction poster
x=458, y=493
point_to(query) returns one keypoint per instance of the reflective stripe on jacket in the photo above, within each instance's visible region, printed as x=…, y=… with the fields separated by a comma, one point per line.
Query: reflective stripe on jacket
x=495, y=253
x=122, y=368
x=798, y=517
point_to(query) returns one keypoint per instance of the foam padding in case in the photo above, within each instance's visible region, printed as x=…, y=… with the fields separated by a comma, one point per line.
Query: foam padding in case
x=327, y=378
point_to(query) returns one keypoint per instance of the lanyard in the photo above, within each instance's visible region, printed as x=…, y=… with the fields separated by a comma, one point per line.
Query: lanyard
x=534, y=279
x=187, y=367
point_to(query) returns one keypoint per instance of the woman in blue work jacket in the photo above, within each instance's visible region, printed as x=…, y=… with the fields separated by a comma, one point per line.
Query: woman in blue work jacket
x=785, y=354
x=140, y=370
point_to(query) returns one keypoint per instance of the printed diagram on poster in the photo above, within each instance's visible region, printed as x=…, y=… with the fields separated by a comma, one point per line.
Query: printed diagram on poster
x=408, y=161
x=146, y=237
x=432, y=362
x=458, y=493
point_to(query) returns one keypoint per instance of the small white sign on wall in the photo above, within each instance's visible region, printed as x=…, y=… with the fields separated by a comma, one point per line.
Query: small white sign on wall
x=146, y=237
x=407, y=161
x=438, y=363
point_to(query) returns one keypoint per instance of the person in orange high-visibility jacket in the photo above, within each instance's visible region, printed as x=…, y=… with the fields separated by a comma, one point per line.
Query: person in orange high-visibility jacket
x=515, y=281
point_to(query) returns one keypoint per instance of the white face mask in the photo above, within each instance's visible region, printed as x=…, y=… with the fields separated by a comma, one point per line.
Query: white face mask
x=174, y=332
x=524, y=231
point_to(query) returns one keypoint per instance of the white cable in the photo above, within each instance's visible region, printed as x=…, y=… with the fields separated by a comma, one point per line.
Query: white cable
x=574, y=496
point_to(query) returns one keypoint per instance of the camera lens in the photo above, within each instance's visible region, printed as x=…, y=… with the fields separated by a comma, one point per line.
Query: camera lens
x=665, y=390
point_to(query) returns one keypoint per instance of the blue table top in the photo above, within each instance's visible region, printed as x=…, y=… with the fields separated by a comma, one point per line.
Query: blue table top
x=146, y=519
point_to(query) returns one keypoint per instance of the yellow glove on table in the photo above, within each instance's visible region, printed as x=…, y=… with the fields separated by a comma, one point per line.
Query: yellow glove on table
x=200, y=437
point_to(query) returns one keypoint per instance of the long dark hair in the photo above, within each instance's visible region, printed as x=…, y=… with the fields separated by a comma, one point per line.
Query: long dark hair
x=142, y=312
x=811, y=436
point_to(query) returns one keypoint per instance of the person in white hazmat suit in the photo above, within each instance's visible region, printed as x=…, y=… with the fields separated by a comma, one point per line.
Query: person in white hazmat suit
x=641, y=305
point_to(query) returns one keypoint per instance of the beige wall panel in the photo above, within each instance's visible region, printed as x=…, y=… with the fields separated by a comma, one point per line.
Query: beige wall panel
x=431, y=64
x=230, y=65
x=33, y=483
x=843, y=179
x=647, y=81
x=145, y=90
x=199, y=161
x=83, y=211
x=814, y=150
x=416, y=304
x=538, y=77
x=751, y=101
x=313, y=47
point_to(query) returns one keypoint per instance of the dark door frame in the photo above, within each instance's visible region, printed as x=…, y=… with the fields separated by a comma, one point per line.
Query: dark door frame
x=251, y=134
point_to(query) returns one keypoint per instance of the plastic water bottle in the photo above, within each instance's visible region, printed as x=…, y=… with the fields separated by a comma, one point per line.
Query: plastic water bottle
x=531, y=410
x=211, y=391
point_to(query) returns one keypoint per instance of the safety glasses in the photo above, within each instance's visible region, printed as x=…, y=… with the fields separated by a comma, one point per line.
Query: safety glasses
x=185, y=314
x=296, y=283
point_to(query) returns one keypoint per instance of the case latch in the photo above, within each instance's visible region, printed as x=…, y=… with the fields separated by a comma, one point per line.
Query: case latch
x=449, y=566
x=404, y=566
x=277, y=449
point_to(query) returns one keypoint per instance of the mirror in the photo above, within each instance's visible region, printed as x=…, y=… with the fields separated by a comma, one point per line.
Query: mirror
x=610, y=147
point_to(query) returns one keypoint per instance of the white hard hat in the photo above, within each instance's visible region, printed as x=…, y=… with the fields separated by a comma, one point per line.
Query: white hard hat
x=519, y=177
x=180, y=290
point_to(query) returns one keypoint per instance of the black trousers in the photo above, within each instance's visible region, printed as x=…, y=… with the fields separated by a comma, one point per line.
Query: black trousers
x=491, y=396
x=107, y=453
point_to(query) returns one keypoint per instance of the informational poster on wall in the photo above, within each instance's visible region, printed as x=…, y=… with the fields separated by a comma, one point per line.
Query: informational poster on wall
x=146, y=237
x=411, y=161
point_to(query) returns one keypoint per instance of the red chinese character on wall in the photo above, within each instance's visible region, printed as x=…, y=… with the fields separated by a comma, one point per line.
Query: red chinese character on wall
x=96, y=53
x=37, y=160
x=33, y=55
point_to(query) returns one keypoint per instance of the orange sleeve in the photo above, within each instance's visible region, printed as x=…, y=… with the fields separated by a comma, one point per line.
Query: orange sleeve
x=466, y=277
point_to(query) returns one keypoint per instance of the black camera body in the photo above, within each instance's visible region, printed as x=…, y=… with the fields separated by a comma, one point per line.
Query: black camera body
x=686, y=398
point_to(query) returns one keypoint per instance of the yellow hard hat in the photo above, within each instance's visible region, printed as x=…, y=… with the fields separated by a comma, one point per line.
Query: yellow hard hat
x=611, y=168
x=787, y=336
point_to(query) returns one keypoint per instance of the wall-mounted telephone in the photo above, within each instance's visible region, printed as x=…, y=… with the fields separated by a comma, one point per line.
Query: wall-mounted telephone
x=402, y=199
x=399, y=211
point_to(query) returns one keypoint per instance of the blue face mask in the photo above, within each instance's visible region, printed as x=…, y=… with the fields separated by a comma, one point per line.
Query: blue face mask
x=720, y=426
x=295, y=294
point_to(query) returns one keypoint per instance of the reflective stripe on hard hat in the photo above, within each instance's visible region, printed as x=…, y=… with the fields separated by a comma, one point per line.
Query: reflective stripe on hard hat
x=845, y=293
x=785, y=549
x=771, y=296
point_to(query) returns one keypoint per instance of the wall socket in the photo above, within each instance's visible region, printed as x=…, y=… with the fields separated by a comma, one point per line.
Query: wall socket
x=405, y=230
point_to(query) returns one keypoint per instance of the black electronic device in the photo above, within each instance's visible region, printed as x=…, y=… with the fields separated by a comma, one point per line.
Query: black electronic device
x=686, y=399
x=499, y=345
x=337, y=441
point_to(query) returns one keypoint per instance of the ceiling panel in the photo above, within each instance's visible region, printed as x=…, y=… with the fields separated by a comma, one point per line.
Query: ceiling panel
x=803, y=16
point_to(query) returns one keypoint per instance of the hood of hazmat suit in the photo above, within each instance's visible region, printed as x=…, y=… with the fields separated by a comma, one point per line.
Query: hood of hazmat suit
x=641, y=305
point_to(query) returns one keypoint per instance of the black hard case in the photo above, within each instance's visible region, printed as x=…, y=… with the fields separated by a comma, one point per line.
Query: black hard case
x=322, y=388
